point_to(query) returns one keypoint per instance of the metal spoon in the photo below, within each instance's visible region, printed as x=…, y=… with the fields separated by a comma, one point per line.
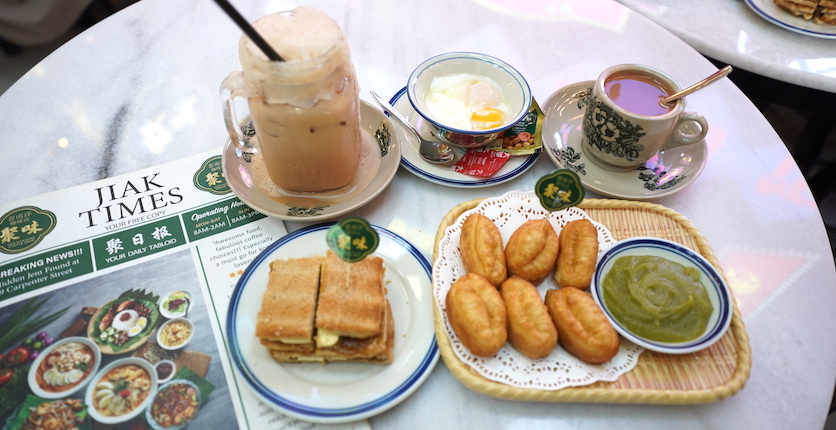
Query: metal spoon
x=433, y=152
x=722, y=73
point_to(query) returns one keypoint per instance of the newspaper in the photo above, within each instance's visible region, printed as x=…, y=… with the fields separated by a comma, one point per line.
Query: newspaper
x=77, y=256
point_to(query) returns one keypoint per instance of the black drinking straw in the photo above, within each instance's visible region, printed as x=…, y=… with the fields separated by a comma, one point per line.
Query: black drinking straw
x=249, y=30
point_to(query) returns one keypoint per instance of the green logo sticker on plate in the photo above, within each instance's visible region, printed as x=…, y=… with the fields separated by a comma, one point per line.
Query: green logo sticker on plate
x=560, y=190
x=23, y=228
x=352, y=239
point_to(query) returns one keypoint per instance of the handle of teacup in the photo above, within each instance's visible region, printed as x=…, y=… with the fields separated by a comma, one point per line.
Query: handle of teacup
x=681, y=133
x=231, y=88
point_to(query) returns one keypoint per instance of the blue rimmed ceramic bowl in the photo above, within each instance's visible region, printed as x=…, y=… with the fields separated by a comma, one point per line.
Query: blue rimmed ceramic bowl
x=717, y=291
x=515, y=90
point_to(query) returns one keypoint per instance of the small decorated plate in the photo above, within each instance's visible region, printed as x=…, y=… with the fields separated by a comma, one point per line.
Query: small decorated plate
x=165, y=370
x=337, y=392
x=176, y=304
x=443, y=174
x=666, y=173
x=768, y=10
x=240, y=170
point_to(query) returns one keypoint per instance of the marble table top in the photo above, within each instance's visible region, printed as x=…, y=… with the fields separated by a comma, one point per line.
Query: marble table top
x=141, y=88
x=732, y=31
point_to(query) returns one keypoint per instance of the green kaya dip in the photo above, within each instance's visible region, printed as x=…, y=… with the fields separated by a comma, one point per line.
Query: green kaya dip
x=657, y=299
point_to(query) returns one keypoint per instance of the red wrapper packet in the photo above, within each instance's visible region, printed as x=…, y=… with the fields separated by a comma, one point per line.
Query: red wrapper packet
x=481, y=162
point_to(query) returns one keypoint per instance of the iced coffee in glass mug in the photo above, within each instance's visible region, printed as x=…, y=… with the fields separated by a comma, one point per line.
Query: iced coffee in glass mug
x=305, y=109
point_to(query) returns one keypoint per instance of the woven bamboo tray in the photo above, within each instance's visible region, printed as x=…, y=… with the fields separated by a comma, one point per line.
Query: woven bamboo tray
x=706, y=376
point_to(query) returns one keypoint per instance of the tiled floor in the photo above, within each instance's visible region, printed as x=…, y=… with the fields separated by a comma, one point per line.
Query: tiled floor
x=787, y=122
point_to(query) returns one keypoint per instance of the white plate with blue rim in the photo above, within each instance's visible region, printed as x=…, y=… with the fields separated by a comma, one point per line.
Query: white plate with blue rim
x=338, y=392
x=668, y=172
x=768, y=10
x=443, y=174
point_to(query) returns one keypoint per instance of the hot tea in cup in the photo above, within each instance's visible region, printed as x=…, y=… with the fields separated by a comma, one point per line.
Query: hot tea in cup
x=639, y=94
x=625, y=123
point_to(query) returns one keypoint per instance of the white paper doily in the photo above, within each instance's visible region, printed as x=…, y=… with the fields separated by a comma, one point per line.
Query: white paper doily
x=509, y=366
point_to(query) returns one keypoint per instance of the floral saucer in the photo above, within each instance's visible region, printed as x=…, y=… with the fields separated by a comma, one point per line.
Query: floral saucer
x=239, y=168
x=666, y=173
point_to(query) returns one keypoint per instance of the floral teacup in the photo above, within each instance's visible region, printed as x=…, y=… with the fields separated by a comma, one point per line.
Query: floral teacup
x=625, y=123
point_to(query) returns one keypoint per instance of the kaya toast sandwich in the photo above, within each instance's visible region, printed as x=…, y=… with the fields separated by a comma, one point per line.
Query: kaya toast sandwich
x=353, y=320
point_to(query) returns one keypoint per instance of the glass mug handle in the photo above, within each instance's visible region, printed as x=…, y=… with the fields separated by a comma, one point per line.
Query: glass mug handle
x=231, y=88
x=681, y=135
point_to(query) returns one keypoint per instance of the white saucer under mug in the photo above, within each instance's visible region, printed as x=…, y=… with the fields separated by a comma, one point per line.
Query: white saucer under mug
x=666, y=173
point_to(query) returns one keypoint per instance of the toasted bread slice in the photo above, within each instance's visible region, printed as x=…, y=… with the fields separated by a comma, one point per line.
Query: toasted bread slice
x=802, y=8
x=288, y=306
x=351, y=297
x=825, y=19
x=375, y=349
x=826, y=13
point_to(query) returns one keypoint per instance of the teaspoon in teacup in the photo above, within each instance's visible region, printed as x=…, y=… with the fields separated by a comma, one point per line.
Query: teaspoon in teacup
x=722, y=73
x=432, y=152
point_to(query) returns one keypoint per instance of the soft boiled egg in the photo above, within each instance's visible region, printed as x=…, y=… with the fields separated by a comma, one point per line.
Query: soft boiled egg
x=485, y=118
x=466, y=101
